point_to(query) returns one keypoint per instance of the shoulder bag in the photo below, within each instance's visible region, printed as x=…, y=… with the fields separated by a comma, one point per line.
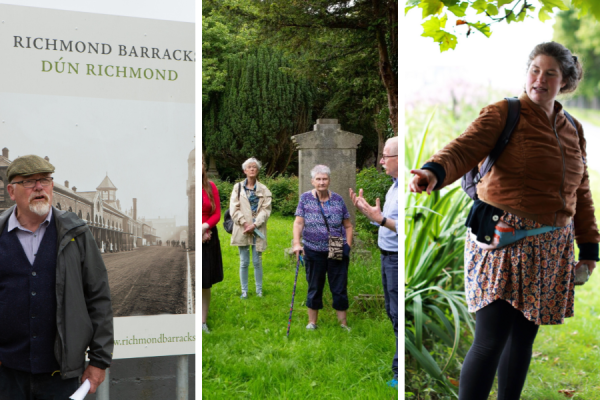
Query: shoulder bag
x=336, y=243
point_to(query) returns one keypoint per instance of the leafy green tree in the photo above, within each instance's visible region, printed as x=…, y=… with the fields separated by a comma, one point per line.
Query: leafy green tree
x=222, y=38
x=436, y=12
x=259, y=110
x=331, y=33
x=582, y=37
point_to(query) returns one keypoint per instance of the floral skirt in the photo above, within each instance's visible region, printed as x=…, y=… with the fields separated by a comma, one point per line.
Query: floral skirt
x=535, y=274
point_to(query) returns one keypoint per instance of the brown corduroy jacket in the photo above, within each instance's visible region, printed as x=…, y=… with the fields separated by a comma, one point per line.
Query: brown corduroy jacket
x=542, y=173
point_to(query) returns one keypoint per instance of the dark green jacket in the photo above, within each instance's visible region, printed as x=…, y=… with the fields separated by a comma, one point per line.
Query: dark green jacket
x=84, y=317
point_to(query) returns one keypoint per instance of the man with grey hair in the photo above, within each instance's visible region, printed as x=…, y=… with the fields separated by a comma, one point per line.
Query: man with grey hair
x=388, y=238
x=54, y=295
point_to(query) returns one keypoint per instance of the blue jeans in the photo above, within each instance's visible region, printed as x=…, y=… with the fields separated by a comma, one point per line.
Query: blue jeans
x=245, y=262
x=389, y=278
x=19, y=385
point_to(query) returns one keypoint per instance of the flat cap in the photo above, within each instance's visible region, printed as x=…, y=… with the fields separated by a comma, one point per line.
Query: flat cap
x=28, y=165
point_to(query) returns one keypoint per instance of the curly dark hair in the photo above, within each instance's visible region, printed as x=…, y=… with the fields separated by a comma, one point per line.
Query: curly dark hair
x=570, y=66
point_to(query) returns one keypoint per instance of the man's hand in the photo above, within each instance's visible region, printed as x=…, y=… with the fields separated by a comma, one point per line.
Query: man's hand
x=95, y=375
x=371, y=212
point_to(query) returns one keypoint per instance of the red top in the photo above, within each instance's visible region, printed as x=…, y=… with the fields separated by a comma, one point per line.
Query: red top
x=207, y=217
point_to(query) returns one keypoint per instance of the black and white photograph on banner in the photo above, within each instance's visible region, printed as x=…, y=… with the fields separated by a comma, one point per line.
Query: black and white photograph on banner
x=97, y=112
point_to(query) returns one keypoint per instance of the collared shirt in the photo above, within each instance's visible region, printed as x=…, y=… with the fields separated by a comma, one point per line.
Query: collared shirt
x=30, y=241
x=388, y=239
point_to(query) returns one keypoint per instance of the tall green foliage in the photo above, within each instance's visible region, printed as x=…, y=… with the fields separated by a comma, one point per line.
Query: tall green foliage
x=261, y=108
x=582, y=37
x=435, y=309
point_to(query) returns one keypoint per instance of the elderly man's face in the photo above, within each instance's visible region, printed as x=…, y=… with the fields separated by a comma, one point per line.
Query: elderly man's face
x=37, y=199
x=389, y=161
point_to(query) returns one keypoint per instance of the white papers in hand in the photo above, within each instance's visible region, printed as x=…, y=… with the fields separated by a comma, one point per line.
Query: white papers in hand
x=82, y=391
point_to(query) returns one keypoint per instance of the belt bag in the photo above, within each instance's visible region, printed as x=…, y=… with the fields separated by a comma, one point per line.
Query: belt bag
x=505, y=234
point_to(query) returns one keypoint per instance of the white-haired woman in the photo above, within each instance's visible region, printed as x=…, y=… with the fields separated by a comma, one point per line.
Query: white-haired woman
x=250, y=208
x=320, y=215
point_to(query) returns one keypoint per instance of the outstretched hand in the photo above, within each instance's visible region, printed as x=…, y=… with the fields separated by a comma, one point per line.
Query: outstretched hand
x=423, y=180
x=371, y=212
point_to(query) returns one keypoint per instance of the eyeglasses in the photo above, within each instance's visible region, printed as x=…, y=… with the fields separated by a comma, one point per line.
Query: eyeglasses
x=30, y=183
x=385, y=157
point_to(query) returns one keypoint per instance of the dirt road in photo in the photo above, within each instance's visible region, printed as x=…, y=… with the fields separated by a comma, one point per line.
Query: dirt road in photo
x=148, y=281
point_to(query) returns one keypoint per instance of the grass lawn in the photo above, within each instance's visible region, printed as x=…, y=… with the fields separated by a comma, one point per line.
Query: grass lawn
x=567, y=357
x=247, y=354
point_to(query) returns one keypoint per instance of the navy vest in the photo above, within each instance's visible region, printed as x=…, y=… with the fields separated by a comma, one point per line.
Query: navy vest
x=28, y=303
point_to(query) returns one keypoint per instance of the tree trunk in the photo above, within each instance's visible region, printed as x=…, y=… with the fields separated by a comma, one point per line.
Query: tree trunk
x=389, y=79
x=380, y=138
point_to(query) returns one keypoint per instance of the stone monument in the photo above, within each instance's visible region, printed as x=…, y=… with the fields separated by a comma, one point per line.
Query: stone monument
x=328, y=144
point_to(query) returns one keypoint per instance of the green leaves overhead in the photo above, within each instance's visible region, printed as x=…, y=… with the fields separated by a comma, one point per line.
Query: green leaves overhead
x=455, y=13
x=431, y=7
x=587, y=7
x=460, y=10
x=548, y=7
x=483, y=28
x=433, y=28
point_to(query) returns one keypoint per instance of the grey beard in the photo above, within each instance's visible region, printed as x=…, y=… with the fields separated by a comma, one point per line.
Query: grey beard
x=40, y=208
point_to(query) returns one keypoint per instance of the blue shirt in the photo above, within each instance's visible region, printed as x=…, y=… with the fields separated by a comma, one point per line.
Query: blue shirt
x=29, y=240
x=388, y=239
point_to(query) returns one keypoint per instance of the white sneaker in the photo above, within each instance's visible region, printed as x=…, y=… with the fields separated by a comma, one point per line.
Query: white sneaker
x=259, y=293
x=244, y=295
x=311, y=326
x=205, y=328
x=346, y=327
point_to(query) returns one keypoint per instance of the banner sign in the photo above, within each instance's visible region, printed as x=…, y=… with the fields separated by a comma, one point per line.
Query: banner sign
x=110, y=101
x=154, y=336
x=68, y=53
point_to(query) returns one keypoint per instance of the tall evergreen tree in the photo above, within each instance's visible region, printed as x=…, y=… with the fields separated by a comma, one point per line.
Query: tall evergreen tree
x=261, y=107
x=323, y=32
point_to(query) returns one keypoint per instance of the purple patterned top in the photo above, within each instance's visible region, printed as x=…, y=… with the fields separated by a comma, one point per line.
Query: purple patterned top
x=314, y=235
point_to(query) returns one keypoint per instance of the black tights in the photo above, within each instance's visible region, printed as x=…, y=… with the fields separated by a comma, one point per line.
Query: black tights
x=503, y=341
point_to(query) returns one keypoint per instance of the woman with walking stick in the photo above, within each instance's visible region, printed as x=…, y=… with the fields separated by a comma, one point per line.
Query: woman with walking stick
x=323, y=222
x=539, y=182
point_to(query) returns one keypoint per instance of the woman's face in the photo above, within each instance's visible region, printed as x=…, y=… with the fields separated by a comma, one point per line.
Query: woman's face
x=544, y=80
x=320, y=182
x=251, y=170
